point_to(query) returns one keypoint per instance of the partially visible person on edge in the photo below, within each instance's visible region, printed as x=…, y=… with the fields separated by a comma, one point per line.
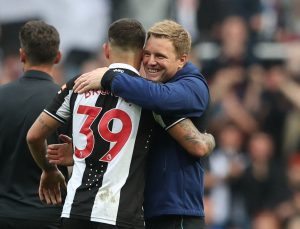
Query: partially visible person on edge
x=174, y=182
x=266, y=219
x=106, y=188
x=21, y=102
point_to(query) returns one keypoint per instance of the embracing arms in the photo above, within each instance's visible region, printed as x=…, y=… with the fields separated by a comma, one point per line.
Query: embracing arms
x=190, y=95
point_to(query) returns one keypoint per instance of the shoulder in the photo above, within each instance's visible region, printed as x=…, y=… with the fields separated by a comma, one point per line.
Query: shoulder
x=190, y=71
x=9, y=87
x=70, y=83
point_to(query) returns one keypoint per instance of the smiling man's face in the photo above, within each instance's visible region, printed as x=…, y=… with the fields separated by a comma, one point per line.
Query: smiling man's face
x=160, y=59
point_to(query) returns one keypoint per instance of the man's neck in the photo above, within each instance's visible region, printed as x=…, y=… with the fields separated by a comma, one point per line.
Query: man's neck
x=128, y=61
x=131, y=58
x=43, y=68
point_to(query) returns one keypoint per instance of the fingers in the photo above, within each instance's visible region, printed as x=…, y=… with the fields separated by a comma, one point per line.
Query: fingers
x=51, y=196
x=80, y=87
x=210, y=142
x=55, y=161
x=64, y=185
x=41, y=194
x=81, y=83
x=65, y=138
x=46, y=195
x=53, y=151
x=57, y=195
x=89, y=81
x=53, y=154
x=53, y=147
x=86, y=86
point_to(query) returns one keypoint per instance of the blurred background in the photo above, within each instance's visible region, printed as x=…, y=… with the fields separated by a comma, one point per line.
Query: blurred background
x=249, y=52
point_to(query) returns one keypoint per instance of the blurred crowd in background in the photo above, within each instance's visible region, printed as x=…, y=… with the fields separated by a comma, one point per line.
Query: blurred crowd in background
x=249, y=52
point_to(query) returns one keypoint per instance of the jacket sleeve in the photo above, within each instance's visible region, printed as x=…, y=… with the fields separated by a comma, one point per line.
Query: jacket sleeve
x=188, y=96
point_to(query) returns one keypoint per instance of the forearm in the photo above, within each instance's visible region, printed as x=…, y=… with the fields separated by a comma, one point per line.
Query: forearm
x=194, y=142
x=188, y=95
x=38, y=150
x=41, y=129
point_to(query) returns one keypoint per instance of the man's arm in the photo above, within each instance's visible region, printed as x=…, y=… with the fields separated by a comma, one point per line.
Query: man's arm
x=194, y=142
x=187, y=96
x=187, y=135
x=51, y=179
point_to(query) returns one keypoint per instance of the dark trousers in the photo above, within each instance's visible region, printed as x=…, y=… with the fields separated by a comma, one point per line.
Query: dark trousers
x=10, y=223
x=85, y=224
x=176, y=222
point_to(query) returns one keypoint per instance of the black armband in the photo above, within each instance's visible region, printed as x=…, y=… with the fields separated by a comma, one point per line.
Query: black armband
x=107, y=79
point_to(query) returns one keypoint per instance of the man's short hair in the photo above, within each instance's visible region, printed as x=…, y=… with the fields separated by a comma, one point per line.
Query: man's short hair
x=127, y=34
x=40, y=42
x=173, y=31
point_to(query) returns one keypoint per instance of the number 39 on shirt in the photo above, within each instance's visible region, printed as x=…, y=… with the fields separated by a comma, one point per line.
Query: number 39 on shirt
x=119, y=139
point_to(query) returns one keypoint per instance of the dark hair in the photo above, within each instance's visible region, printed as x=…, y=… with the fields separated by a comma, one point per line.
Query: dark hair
x=40, y=42
x=127, y=34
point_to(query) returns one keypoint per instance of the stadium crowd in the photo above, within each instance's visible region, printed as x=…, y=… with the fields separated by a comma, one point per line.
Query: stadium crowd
x=249, y=52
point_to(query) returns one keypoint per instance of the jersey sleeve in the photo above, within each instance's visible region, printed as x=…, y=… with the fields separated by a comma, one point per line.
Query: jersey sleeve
x=188, y=96
x=59, y=108
x=166, y=122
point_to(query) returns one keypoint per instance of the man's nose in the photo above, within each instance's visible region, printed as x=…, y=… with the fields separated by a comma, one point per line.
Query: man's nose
x=152, y=60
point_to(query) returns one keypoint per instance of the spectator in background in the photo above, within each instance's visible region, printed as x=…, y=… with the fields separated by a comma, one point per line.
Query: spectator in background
x=69, y=17
x=290, y=207
x=292, y=18
x=262, y=184
x=233, y=41
x=21, y=102
x=11, y=69
x=228, y=78
x=266, y=220
x=293, y=222
x=145, y=14
x=226, y=164
x=249, y=10
x=286, y=82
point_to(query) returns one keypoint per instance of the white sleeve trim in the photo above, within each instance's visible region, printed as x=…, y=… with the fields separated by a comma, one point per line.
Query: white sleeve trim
x=174, y=123
x=55, y=117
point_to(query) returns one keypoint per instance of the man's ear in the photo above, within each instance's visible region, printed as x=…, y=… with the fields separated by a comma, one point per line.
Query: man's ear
x=182, y=60
x=57, y=58
x=22, y=55
x=106, y=50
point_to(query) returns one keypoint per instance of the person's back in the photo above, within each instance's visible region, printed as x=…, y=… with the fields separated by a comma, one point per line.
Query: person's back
x=21, y=102
x=110, y=140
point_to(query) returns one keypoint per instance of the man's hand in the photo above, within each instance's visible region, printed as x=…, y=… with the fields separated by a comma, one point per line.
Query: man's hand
x=89, y=81
x=61, y=154
x=210, y=142
x=50, y=185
